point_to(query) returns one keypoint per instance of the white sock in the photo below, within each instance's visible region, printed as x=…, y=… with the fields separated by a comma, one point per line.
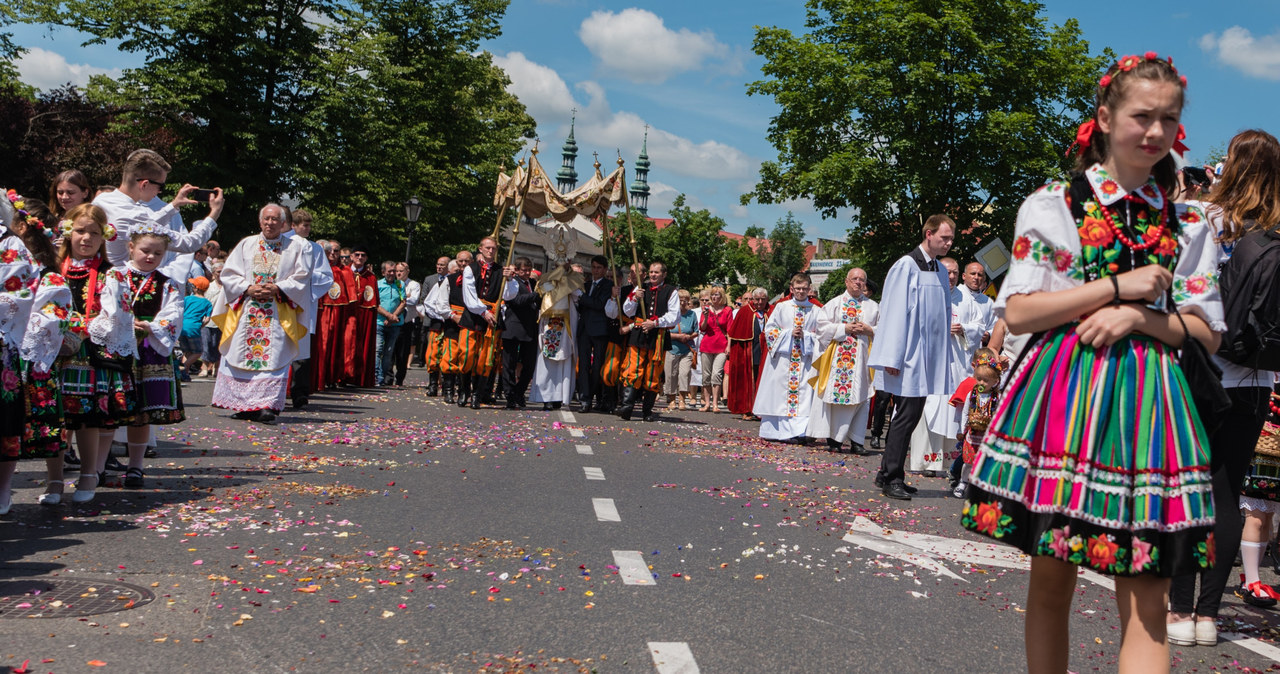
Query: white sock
x=137, y=450
x=1251, y=556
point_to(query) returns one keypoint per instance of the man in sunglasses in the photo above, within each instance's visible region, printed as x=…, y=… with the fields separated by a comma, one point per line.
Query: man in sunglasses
x=137, y=201
x=359, y=340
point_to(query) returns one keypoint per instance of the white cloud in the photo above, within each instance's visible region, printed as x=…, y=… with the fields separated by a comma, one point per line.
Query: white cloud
x=540, y=88
x=1238, y=48
x=739, y=211
x=45, y=69
x=547, y=97
x=637, y=45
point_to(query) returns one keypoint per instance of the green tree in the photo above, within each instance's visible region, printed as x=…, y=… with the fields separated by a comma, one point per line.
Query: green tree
x=692, y=246
x=784, y=254
x=905, y=108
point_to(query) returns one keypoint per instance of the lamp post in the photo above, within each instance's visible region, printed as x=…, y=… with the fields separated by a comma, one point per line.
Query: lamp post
x=412, y=209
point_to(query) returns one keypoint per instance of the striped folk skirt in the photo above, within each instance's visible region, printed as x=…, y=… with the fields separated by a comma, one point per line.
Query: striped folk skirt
x=1097, y=457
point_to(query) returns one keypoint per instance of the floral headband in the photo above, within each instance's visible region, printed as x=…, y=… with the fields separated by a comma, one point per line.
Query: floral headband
x=20, y=211
x=1084, y=134
x=982, y=358
x=151, y=229
x=108, y=232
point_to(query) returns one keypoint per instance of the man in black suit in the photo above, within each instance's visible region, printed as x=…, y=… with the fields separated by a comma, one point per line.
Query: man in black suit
x=519, y=333
x=593, y=333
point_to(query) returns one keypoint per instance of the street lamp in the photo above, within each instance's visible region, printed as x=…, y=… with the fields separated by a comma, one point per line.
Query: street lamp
x=412, y=209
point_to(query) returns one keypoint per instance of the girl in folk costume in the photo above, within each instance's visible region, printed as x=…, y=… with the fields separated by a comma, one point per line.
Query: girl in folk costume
x=97, y=387
x=976, y=399
x=139, y=316
x=1096, y=456
x=33, y=319
x=791, y=345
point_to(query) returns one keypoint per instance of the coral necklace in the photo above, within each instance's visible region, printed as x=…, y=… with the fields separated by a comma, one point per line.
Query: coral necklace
x=1153, y=236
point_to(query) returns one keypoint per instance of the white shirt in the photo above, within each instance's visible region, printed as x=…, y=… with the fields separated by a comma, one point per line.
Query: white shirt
x=666, y=320
x=412, y=296
x=125, y=213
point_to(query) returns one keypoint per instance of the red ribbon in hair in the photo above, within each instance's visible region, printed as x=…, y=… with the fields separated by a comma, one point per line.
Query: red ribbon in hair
x=1084, y=137
x=1177, y=143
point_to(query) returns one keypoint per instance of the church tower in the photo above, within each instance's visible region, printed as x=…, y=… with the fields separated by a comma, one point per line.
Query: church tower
x=567, y=177
x=640, y=186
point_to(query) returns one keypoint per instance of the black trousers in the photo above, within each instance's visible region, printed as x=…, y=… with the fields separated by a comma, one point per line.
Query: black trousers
x=884, y=403
x=591, y=352
x=906, y=414
x=300, y=387
x=1231, y=452
x=518, y=353
x=405, y=340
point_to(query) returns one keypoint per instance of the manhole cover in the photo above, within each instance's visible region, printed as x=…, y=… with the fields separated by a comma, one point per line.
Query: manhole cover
x=65, y=598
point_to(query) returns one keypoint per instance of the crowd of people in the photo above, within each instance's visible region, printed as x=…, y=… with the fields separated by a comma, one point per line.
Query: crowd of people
x=1071, y=410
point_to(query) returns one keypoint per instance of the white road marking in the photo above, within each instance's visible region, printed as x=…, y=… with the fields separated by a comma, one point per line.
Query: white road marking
x=672, y=657
x=931, y=552
x=632, y=568
x=567, y=417
x=606, y=511
x=576, y=433
x=593, y=473
x=584, y=449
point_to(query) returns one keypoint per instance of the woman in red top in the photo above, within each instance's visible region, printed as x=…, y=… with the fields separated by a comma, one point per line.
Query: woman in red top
x=714, y=347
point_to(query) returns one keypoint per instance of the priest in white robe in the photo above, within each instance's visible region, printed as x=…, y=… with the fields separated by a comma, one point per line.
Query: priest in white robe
x=553, y=374
x=784, y=398
x=910, y=355
x=266, y=292
x=840, y=377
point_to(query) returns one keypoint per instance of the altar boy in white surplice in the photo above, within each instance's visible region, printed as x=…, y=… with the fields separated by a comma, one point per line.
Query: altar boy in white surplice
x=840, y=377
x=791, y=346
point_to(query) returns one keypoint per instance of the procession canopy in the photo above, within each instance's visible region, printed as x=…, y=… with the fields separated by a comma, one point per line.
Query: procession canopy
x=592, y=199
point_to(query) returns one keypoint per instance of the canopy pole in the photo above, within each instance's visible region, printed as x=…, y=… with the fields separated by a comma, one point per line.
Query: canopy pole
x=515, y=233
x=631, y=231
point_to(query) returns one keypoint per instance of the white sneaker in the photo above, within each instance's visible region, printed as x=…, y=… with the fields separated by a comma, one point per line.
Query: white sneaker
x=52, y=498
x=1184, y=633
x=1206, y=633
x=85, y=495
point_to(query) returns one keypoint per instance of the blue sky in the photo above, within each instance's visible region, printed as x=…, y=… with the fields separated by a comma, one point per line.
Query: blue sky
x=682, y=68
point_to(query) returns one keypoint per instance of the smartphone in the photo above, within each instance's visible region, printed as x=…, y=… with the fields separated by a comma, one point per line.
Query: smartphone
x=200, y=195
x=1196, y=175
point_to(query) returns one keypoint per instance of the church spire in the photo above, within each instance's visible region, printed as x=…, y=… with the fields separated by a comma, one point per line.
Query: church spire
x=640, y=186
x=567, y=177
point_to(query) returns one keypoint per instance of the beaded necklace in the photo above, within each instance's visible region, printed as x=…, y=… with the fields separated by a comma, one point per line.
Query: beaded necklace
x=1153, y=236
x=89, y=274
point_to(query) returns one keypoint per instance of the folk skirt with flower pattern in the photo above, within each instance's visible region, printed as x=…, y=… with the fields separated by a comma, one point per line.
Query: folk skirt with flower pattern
x=12, y=405
x=42, y=438
x=94, y=396
x=1097, y=457
x=159, y=398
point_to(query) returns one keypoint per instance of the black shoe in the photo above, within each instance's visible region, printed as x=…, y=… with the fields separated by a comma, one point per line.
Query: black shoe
x=432, y=390
x=1256, y=595
x=857, y=449
x=266, y=417
x=511, y=403
x=546, y=407
x=907, y=487
x=833, y=445
x=113, y=464
x=245, y=416
x=69, y=458
x=896, y=490
x=133, y=479
x=650, y=417
x=300, y=402
x=876, y=443
x=587, y=408
x=879, y=480
x=149, y=452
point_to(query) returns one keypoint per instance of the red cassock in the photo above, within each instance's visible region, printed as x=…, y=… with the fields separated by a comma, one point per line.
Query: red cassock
x=327, y=357
x=359, y=337
x=746, y=360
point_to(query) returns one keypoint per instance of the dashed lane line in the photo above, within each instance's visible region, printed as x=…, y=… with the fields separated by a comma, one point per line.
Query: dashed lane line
x=632, y=568
x=672, y=657
x=567, y=417
x=606, y=511
x=576, y=433
x=584, y=449
x=593, y=473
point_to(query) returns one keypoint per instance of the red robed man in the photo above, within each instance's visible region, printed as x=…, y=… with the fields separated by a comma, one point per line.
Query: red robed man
x=327, y=355
x=359, y=338
x=746, y=353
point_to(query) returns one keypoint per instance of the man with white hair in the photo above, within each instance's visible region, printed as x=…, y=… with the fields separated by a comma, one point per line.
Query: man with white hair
x=842, y=385
x=261, y=332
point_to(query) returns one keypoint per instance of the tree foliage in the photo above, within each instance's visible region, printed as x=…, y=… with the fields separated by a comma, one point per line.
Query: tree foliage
x=349, y=107
x=691, y=245
x=904, y=108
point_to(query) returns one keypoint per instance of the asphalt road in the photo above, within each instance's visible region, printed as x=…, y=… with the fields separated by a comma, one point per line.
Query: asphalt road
x=383, y=530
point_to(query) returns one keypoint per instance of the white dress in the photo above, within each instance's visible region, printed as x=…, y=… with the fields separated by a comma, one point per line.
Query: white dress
x=553, y=374
x=842, y=409
x=256, y=349
x=784, y=397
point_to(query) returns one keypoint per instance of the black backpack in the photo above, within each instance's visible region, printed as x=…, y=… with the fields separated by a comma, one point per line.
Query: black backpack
x=1250, y=285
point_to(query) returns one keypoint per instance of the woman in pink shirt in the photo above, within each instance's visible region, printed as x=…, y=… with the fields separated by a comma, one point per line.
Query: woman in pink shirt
x=714, y=347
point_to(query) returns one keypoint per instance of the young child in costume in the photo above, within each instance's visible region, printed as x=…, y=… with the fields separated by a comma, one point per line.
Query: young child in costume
x=1096, y=455
x=97, y=387
x=140, y=317
x=976, y=398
